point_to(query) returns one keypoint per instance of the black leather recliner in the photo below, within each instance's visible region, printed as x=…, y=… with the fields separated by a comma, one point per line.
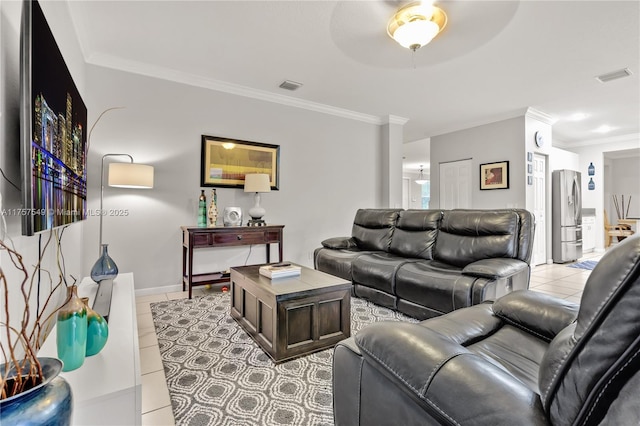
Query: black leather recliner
x=525, y=359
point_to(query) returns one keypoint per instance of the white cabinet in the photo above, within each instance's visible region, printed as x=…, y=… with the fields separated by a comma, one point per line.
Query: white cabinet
x=588, y=234
x=107, y=388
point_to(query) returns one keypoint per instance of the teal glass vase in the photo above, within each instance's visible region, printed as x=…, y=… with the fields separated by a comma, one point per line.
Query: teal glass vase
x=71, y=334
x=104, y=268
x=97, y=330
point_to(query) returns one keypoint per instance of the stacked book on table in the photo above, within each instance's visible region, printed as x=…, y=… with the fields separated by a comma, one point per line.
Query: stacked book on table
x=280, y=270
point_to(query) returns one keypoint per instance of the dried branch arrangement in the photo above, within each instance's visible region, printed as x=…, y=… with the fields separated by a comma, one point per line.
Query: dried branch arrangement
x=21, y=342
x=619, y=205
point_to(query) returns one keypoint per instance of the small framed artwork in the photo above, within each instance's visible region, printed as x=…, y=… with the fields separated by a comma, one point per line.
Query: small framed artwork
x=225, y=162
x=494, y=175
x=529, y=156
x=529, y=180
x=529, y=168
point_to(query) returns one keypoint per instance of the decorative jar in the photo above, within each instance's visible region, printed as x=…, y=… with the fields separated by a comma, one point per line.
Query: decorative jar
x=48, y=402
x=71, y=335
x=97, y=330
x=104, y=268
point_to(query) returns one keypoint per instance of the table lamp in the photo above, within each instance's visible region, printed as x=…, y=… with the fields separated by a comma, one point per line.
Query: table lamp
x=257, y=182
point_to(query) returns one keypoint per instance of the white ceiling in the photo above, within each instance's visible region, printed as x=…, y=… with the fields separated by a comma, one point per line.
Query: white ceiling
x=492, y=61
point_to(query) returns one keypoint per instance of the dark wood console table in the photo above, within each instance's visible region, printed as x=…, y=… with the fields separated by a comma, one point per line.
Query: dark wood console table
x=194, y=238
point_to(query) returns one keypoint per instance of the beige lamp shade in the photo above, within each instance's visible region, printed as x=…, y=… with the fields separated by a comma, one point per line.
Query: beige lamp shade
x=257, y=182
x=130, y=175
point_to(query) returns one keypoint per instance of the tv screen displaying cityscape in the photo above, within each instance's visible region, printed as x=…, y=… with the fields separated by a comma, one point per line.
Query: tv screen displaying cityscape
x=54, y=131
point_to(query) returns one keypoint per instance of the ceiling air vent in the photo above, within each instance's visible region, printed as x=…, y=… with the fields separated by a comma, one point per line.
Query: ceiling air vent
x=290, y=85
x=626, y=72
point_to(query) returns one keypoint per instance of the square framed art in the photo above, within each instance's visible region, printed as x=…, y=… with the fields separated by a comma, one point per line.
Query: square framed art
x=494, y=175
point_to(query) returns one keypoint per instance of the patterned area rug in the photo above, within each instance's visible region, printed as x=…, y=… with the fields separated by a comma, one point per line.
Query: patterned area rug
x=586, y=264
x=217, y=375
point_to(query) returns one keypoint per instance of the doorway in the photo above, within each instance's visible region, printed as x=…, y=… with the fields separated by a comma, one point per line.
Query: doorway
x=539, y=255
x=455, y=185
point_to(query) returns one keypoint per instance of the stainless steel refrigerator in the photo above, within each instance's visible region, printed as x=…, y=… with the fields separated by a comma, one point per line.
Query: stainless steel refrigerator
x=566, y=205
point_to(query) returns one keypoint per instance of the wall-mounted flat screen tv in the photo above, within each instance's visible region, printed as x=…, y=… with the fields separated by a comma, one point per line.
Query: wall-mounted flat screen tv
x=53, y=127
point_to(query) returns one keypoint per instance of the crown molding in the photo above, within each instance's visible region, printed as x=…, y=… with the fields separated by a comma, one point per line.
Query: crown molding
x=394, y=119
x=140, y=68
x=540, y=116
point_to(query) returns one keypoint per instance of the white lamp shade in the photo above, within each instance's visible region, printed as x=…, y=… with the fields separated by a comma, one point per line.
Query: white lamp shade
x=418, y=32
x=130, y=175
x=257, y=182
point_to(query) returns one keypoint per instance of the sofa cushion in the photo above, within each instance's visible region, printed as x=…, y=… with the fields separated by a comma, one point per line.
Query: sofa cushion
x=378, y=270
x=372, y=228
x=469, y=235
x=336, y=262
x=435, y=285
x=415, y=233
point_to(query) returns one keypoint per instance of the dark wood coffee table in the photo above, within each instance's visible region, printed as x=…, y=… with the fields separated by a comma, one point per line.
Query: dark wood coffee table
x=293, y=316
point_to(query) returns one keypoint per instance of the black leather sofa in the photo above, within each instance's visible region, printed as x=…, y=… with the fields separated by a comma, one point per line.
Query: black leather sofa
x=428, y=262
x=526, y=359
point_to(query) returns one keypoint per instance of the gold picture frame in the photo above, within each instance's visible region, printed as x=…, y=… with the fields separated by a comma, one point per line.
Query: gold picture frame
x=494, y=175
x=225, y=162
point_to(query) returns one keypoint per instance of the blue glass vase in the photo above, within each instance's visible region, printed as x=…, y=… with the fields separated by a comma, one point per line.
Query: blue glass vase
x=104, y=268
x=71, y=334
x=48, y=403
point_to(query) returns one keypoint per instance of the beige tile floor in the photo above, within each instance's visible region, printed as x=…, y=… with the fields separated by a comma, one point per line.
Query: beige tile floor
x=557, y=280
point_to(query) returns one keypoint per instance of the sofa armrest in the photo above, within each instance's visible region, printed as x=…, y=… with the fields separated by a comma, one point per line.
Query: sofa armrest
x=495, y=268
x=337, y=243
x=447, y=380
x=538, y=313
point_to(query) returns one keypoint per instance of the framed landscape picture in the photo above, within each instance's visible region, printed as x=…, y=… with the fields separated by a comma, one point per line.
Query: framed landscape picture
x=494, y=175
x=225, y=162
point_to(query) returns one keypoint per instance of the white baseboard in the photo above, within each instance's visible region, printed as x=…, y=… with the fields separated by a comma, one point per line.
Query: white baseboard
x=158, y=290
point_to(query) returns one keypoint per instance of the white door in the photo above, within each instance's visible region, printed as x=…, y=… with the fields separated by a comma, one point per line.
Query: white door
x=455, y=185
x=539, y=210
x=406, y=192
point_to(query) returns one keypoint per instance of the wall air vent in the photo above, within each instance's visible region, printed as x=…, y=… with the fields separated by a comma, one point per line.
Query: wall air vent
x=626, y=72
x=290, y=85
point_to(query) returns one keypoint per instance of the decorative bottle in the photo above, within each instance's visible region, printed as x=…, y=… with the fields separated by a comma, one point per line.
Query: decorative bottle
x=71, y=335
x=97, y=330
x=104, y=268
x=591, y=170
x=202, y=210
x=213, y=209
x=591, y=185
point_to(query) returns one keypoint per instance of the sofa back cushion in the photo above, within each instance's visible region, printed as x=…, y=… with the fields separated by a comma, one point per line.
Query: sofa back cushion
x=466, y=236
x=372, y=228
x=591, y=362
x=415, y=233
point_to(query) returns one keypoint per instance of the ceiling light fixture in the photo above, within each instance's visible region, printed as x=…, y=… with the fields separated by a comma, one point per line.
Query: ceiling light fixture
x=421, y=180
x=416, y=24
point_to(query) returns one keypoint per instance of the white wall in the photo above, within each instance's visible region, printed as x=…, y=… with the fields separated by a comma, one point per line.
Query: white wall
x=495, y=142
x=330, y=166
x=62, y=28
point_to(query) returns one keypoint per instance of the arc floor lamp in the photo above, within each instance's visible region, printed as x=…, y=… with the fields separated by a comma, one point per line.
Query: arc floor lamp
x=123, y=175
